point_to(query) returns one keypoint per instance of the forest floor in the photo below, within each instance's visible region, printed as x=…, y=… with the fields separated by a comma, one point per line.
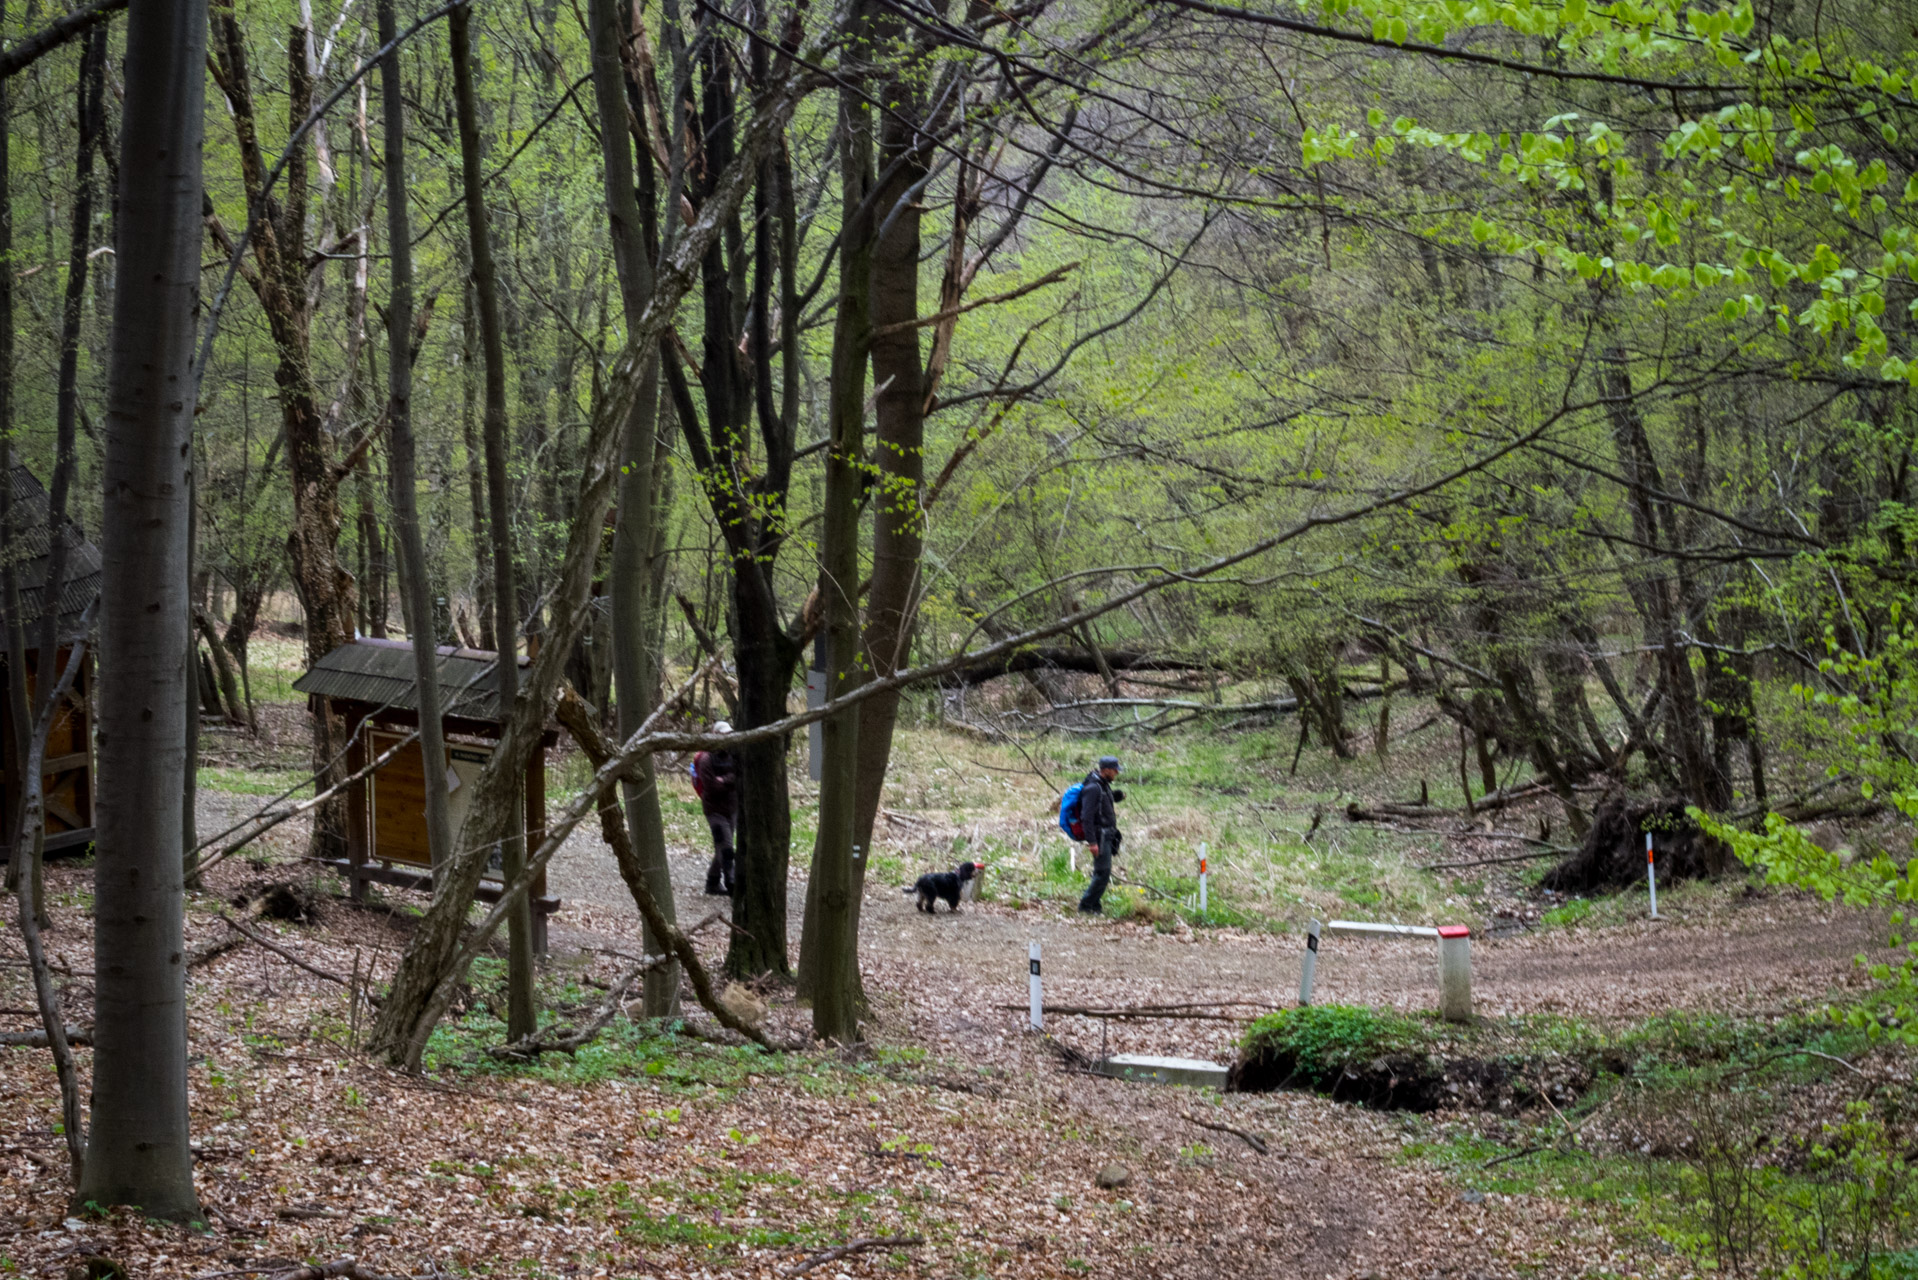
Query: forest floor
x=680, y=1153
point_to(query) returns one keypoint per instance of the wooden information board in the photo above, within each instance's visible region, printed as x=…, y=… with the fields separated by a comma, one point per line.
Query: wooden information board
x=398, y=799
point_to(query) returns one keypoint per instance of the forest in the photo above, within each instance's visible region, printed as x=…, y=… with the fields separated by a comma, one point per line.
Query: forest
x=1455, y=456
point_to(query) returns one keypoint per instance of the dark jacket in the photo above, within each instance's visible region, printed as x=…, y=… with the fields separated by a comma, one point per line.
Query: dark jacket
x=718, y=775
x=1096, y=814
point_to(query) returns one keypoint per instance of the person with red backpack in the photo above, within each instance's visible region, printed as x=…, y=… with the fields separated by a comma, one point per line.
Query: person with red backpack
x=1098, y=827
x=716, y=783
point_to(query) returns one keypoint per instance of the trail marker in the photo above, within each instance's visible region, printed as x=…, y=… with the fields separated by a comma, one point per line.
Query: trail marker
x=1036, y=1017
x=1201, y=879
x=1651, y=874
x=1311, y=967
x=1455, y=973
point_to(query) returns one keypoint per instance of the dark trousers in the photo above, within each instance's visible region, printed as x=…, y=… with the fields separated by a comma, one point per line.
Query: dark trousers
x=1101, y=872
x=719, y=875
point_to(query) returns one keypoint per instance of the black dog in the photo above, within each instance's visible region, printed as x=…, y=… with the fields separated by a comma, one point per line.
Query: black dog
x=942, y=884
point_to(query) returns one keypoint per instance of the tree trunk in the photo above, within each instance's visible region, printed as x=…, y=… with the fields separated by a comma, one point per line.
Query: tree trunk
x=1651, y=590
x=476, y=474
x=521, y=1017
x=138, y=1153
x=635, y=664
x=326, y=590
x=831, y=938
x=400, y=460
x=899, y=419
x=231, y=705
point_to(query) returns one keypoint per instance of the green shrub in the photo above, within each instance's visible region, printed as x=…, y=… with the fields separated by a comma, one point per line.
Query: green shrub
x=1319, y=1042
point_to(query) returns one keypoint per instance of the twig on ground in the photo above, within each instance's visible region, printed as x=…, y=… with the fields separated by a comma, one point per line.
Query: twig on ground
x=344, y=1269
x=847, y=1250
x=1252, y=1140
x=283, y=953
x=1549, y=851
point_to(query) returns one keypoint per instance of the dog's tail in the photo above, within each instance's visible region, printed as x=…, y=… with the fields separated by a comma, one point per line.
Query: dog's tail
x=908, y=889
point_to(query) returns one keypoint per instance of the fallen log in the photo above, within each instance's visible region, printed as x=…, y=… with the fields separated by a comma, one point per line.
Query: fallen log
x=37, y=1038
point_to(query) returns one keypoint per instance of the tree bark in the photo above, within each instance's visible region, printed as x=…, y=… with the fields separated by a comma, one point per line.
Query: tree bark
x=831, y=938
x=899, y=421
x=521, y=1018
x=400, y=451
x=137, y=1153
x=635, y=664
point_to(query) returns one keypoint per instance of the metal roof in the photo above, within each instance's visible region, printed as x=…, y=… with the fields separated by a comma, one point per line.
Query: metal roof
x=29, y=550
x=380, y=672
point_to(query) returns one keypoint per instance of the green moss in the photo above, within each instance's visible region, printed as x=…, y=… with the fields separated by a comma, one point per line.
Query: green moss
x=1319, y=1042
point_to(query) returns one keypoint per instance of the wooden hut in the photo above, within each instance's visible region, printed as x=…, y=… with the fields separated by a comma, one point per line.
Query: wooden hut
x=67, y=777
x=370, y=685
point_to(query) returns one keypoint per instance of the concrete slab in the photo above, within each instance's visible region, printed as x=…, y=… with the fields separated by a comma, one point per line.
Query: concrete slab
x=1155, y=1070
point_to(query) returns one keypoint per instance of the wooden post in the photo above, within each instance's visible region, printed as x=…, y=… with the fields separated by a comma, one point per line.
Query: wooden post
x=1310, y=969
x=1455, y=973
x=358, y=817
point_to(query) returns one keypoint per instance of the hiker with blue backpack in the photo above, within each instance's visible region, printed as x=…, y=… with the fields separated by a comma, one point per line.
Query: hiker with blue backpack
x=1086, y=814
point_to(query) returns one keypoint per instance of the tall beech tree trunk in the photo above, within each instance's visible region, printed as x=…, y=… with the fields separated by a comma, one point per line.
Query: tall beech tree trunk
x=137, y=1153
x=635, y=664
x=521, y=1017
x=400, y=459
x=899, y=419
x=831, y=938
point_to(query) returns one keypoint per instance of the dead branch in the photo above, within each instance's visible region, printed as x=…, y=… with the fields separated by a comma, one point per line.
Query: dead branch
x=847, y=1250
x=953, y=313
x=283, y=953
x=1549, y=851
x=544, y=1040
x=1252, y=1140
x=208, y=950
x=1126, y=1015
x=27, y=840
x=572, y=713
x=37, y=1038
x=344, y=1269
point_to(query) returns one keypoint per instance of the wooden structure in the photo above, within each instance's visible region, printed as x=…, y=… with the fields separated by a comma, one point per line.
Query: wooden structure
x=370, y=685
x=67, y=777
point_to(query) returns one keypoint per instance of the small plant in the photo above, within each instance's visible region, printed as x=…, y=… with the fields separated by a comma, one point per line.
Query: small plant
x=1571, y=913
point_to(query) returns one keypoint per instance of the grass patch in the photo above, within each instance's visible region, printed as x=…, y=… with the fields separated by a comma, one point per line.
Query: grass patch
x=255, y=782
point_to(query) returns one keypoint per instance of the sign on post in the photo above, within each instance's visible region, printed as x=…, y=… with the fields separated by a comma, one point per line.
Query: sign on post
x=1036, y=1016
x=1311, y=967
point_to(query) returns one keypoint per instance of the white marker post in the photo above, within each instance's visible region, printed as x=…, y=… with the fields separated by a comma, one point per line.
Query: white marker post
x=1311, y=968
x=1201, y=879
x=1455, y=973
x=1651, y=874
x=1037, y=1015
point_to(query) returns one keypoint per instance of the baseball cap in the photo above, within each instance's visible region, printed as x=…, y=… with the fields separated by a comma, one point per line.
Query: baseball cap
x=1108, y=762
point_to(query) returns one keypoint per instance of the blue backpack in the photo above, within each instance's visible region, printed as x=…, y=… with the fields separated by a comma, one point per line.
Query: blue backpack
x=1069, y=812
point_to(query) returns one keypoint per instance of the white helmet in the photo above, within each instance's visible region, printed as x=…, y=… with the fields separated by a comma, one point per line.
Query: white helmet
x=722, y=726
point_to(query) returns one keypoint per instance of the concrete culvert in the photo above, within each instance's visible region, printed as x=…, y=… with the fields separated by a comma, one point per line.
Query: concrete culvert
x=1613, y=855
